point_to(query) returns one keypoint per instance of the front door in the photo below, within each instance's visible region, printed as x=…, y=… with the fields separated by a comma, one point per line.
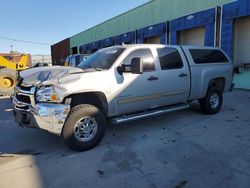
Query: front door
x=138, y=92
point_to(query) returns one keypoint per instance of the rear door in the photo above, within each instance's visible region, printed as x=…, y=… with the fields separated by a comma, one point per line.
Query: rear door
x=174, y=76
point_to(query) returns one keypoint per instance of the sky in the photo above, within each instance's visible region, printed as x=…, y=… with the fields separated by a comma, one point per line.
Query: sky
x=50, y=21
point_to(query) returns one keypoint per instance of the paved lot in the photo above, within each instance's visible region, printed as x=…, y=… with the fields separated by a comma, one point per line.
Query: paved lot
x=182, y=149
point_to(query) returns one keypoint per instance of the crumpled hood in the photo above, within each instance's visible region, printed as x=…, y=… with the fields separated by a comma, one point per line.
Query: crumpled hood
x=35, y=76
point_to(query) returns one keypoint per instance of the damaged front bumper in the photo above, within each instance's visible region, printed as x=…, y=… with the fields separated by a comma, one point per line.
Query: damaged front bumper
x=46, y=116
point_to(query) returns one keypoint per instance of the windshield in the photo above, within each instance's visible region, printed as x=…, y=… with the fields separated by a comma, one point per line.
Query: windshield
x=102, y=59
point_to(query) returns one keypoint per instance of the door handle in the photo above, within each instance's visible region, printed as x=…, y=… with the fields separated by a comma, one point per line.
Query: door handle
x=183, y=75
x=152, y=78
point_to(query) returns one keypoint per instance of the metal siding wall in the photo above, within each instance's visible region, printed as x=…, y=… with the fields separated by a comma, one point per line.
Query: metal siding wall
x=248, y=8
x=229, y=13
x=209, y=35
x=60, y=51
x=148, y=14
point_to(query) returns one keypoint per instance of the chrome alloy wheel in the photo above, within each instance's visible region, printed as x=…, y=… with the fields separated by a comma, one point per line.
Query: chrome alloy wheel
x=214, y=100
x=85, y=129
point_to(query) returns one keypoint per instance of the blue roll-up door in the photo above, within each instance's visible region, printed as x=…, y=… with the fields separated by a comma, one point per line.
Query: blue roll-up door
x=201, y=23
x=241, y=47
x=194, y=36
x=235, y=31
x=83, y=49
x=154, y=34
x=94, y=46
x=118, y=40
x=126, y=38
x=108, y=42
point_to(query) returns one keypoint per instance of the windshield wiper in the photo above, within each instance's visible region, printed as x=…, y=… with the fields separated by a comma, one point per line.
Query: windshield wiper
x=89, y=67
x=98, y=69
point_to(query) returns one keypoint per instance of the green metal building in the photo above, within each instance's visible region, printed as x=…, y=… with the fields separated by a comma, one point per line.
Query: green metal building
x=153, y=12
x=222, y=23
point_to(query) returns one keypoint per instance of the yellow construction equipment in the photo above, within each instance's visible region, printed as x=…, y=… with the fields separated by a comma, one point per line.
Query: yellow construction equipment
x=10, y=64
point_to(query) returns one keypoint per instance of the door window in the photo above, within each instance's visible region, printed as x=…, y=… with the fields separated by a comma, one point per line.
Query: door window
x=147, y=59
x=169, y=58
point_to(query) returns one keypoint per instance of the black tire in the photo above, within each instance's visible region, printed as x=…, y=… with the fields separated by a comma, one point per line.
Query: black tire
x=10, y=76
x=210, y=107
x=71, y=130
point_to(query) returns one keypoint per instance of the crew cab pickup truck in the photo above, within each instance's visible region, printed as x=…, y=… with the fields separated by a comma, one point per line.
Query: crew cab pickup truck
x=120, y=84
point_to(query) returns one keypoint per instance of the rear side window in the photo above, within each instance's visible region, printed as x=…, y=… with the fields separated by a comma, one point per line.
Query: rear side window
x=169, y=58
x=201, y=56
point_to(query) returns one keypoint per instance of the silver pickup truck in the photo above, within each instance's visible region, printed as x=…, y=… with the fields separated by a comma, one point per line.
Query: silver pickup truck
x=120, y=84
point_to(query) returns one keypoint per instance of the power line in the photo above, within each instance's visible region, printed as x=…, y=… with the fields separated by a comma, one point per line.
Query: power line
x=24, y=41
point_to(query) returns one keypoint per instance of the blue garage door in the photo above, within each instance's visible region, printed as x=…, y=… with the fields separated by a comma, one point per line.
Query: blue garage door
x=241, y=52
x=83, y=49
x=194, y=36
x=235, y=31
x=192, y=24
x=126, y=38
x=108, y=42
x=155, y=34
x=93, y=47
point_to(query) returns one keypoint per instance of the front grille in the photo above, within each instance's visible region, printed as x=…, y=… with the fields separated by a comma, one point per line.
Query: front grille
x=25, y=94
x=22, y=107
x=22, y=98
x=25, y=88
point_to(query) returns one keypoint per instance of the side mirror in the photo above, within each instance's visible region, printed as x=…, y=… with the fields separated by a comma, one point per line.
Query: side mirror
x=121, y=69
x=136, y=65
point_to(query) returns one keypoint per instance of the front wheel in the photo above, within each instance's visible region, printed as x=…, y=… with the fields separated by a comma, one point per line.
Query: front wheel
x=212, y=102
x=84, y=128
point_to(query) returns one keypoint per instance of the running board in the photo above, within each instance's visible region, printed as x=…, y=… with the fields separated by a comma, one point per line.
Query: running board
x=133, y=117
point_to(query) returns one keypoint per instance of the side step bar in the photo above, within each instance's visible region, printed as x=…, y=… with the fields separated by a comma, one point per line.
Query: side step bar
x=128, y=118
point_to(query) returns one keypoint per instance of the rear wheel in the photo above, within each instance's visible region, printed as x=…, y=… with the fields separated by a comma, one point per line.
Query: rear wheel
x=212, y=102
x=84, y=128
x=7, y=81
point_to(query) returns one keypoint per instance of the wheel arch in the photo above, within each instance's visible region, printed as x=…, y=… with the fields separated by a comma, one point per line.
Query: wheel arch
x=218, y=83
x=97, y=99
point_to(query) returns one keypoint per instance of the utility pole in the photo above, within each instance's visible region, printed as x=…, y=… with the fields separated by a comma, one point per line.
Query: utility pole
x=11, y=48
x=11, y=51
